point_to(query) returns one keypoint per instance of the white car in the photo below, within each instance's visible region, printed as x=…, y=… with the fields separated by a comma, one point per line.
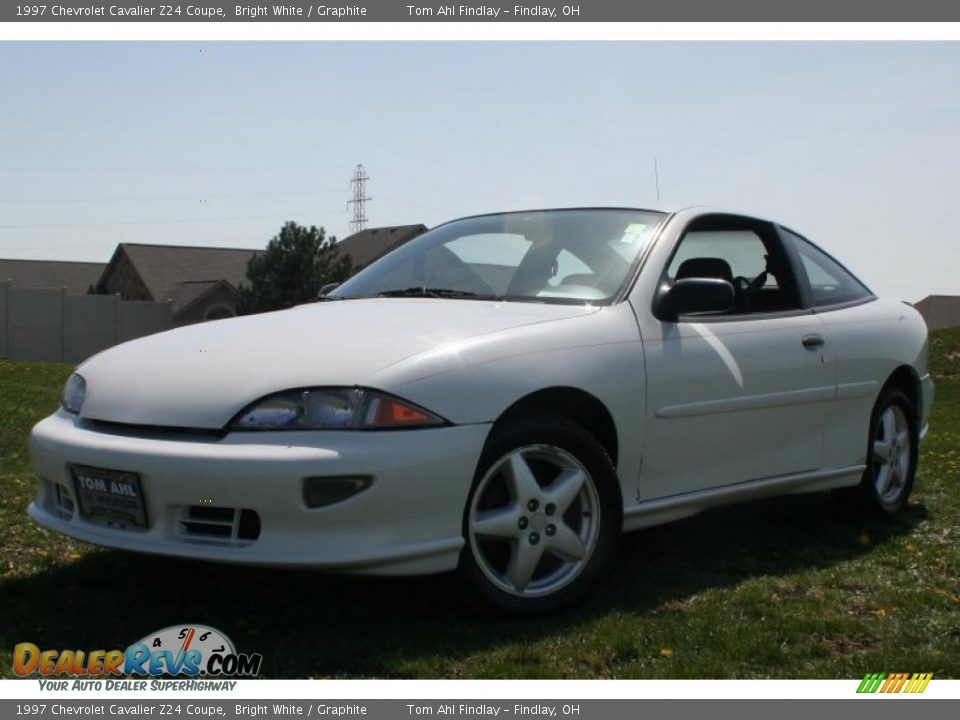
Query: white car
x=506, y=393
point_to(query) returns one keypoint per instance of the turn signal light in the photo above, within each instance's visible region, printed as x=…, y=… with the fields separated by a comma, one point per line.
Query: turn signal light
x=388, y=411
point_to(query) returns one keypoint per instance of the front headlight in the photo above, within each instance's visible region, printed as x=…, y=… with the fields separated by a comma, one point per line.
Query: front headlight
x=332, y=409
x=73, y=393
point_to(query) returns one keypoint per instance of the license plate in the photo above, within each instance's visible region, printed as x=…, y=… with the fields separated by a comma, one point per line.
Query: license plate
x=112, y=496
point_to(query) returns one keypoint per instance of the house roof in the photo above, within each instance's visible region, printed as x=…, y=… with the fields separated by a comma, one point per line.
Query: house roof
x=187, y=293
x=182, y=273
x=368, y=245
x=940, y=311
x=77, y=277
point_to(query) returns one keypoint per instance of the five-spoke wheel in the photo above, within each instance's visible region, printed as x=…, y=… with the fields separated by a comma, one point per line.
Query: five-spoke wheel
x=542, y=514
x=892, y=453
x=534, y=520
x=891, y=459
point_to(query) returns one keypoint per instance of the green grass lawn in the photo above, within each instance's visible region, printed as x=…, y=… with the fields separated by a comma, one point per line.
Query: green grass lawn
x=784, y=588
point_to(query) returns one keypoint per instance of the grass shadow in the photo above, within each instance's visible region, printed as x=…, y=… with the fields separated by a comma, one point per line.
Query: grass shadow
x=312, y=625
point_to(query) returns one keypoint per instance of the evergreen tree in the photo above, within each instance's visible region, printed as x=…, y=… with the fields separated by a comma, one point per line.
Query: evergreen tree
x=296, y=263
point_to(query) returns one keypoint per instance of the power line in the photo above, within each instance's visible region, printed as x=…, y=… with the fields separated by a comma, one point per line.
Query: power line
x=164, y=222
x=384, y=198
x=444, y=185
x=104, y=243
x=200, y=197
x=172, y=168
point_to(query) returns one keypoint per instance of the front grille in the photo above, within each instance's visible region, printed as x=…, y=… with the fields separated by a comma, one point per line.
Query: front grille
x=154, y=431
x=225, y=526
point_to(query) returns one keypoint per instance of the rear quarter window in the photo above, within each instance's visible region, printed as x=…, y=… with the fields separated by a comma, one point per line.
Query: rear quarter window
x=826, y=280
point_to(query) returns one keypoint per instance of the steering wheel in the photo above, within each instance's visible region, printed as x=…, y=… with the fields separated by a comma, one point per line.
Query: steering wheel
x=746, y=288
x=534, y=271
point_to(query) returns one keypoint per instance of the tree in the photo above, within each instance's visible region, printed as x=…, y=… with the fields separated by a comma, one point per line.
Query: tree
x=296, y=263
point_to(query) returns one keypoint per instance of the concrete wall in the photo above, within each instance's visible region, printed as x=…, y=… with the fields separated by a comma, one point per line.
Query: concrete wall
x=137, y=318
x=4, y=314
x=54, y=326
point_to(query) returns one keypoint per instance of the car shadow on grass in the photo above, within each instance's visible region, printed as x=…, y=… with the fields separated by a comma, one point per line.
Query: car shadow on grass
x=308, y=624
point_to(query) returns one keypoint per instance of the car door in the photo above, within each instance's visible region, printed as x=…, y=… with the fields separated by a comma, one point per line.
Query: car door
x=860, y=338
x=738, y=396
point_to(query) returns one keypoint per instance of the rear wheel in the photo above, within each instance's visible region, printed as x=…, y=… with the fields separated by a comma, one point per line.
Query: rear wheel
x=891, y=459
x=543, y=515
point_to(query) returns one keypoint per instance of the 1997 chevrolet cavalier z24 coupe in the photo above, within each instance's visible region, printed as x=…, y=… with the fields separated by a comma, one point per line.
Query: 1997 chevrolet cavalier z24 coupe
x=505, y=393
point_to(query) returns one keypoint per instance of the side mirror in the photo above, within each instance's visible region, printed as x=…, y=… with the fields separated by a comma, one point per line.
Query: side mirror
x=327, y=289
x=690, y=296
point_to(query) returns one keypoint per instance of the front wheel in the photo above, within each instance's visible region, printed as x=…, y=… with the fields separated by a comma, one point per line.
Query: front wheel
x=543, y=515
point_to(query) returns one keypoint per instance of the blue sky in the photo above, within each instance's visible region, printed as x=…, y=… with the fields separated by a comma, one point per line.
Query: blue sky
x=856, y=145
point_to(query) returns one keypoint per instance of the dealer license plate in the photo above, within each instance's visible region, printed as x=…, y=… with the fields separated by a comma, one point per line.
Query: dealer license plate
x=112, y=496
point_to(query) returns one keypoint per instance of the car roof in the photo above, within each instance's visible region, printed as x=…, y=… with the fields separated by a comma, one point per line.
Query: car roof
x=686, y=211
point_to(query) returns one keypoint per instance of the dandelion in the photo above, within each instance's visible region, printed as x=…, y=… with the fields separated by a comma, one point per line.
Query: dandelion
x=880, y=613
x=863, y=539
x=909, y=548
x=666, y=652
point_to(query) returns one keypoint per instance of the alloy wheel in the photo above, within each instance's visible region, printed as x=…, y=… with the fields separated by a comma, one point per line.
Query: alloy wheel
x=892, y=452
x=534, y=521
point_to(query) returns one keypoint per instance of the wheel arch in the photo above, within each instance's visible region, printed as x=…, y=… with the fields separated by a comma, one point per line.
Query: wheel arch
x=575, y=405
x=905, y=379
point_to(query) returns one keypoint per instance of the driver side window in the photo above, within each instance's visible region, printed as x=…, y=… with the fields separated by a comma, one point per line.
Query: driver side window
x=747, y=255
x=742, y=250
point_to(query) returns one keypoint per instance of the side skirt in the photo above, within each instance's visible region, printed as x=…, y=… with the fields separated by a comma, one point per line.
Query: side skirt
x=676, y=507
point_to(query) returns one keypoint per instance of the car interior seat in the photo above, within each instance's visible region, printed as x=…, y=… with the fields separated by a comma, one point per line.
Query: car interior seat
x=708, y=267
x=705, y=267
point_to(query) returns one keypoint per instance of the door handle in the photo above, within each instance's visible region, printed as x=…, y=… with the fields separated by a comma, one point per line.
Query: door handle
x=812, y=341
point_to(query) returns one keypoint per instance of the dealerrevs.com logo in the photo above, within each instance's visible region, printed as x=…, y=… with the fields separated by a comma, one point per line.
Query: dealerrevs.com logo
x=179, y=650
x=895, y=682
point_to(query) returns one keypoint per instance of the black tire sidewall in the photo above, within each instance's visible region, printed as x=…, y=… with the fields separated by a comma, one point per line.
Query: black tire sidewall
x=868, y=488
x=574, y=439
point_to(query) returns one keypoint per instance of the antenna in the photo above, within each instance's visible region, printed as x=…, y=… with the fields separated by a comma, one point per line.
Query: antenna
x=360, y=199
x=656, y=176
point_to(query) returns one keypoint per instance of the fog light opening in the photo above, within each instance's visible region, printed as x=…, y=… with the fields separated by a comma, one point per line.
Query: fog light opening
x=323, y=491
x=63, y=501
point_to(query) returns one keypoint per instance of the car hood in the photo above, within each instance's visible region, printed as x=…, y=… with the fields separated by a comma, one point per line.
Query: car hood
x=201, y=376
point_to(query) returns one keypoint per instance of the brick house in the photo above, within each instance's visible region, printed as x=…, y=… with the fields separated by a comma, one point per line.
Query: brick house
x=368, y=245
x=201, y=283
x=76, y=277
x=940, y=311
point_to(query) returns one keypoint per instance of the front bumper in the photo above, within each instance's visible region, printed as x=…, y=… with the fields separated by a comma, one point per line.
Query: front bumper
x=409, y=521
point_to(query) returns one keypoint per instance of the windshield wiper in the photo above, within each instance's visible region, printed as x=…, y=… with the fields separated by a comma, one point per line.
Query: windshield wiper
x=433, y=292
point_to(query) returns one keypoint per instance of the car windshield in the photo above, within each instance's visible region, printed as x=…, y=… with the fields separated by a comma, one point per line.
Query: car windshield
x=552, y=256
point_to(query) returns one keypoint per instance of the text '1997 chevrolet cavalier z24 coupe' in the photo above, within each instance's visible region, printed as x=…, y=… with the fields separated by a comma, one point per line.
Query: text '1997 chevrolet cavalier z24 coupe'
x=506, y=394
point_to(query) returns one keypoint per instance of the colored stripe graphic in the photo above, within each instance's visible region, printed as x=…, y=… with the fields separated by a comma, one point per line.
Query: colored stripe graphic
x=894, y=682
x=871, y=682
x=919, y=682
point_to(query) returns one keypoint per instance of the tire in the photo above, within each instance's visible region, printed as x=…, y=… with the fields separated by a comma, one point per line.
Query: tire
x=543, y=516
x=891, y=466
